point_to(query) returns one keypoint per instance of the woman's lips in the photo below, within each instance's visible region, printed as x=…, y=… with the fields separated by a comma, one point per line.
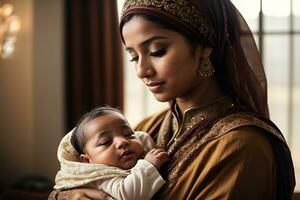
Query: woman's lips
x=155, y=87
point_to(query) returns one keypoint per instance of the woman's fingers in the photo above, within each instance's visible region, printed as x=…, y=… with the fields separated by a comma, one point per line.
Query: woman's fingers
x=89, y=194
x=99, y=195
x=82, y=198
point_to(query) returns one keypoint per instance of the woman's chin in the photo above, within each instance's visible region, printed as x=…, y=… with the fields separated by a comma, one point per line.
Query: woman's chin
x=162, y=97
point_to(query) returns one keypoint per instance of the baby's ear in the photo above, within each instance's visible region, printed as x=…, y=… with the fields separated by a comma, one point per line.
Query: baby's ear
x=85, y=158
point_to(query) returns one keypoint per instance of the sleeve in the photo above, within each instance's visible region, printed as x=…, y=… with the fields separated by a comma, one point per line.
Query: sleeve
x=244, y=167
x=143, y=182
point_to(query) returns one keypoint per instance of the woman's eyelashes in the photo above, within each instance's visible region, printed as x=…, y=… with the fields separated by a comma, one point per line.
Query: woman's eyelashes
x=158, y=53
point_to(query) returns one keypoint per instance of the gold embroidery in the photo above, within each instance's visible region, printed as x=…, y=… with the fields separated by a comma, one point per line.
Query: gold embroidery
x=186, y=13
x=163, y=134
x=192, y=120
x=194, y=116
x=183, y=149
x=241, y=119
x=191, y=148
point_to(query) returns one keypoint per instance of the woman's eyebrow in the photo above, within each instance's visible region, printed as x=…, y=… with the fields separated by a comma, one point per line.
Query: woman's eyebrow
x=147, y=41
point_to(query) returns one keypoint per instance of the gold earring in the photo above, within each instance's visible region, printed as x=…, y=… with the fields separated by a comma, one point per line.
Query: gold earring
x=206, y=68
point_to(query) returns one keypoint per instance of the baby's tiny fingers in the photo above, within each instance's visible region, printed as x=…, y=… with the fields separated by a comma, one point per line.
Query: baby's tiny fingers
x=157, y=151
x=151, y=150
x=162, y=155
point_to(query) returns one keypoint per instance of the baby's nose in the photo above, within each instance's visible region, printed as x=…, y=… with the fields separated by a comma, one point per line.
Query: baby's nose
x=121, y=142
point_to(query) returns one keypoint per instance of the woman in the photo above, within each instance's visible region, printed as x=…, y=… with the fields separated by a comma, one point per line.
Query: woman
x=200, y=56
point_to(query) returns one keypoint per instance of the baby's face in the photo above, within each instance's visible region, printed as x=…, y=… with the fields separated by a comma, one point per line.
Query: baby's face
x=111, y=141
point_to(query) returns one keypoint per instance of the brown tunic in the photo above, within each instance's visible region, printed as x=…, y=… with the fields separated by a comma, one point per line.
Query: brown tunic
x=232, y=155
x=237, y=165
x=220, y=151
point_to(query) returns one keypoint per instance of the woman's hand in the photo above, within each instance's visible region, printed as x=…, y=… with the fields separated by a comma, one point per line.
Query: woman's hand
x=88, y=194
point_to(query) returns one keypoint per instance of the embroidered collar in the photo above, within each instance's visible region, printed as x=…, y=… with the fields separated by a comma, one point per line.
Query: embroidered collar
x=174, y=125
x=194, y=115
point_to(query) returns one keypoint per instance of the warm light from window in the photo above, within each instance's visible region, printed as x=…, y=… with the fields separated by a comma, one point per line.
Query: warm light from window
x=296, y=7
x=9, y=27
x=277, y=8
x=249, y=9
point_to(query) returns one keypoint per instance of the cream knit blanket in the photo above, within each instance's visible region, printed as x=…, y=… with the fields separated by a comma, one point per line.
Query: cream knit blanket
x=74, y=173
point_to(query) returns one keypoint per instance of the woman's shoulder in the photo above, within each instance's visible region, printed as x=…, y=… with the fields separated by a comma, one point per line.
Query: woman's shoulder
x=247, y=138
x=249, y=123
x=244, y=133
x=246, y=144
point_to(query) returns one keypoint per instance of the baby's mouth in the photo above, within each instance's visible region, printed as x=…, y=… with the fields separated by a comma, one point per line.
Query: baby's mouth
x=127, y=154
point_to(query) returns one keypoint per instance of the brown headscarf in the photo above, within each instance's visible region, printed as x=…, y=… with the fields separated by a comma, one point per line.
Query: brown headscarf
x=216, y=23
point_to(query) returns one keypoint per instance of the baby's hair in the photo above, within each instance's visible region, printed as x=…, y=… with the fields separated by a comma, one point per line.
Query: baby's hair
x=78, y=137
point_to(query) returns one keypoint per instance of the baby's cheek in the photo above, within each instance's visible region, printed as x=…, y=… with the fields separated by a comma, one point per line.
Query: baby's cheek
x=140, y=149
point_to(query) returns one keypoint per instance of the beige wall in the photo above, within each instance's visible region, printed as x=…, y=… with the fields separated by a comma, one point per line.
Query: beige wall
x=31, y=93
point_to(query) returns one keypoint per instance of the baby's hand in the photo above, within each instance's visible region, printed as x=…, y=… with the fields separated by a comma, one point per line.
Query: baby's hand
x=157, y=157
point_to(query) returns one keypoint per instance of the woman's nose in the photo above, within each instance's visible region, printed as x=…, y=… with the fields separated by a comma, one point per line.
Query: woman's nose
x=121, y=142
x=143, y=68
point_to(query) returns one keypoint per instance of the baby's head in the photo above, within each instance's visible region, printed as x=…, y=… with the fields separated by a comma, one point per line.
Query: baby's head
x=104, y=136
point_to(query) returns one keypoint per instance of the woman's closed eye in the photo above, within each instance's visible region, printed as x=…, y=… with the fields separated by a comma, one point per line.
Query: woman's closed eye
x=158, y=53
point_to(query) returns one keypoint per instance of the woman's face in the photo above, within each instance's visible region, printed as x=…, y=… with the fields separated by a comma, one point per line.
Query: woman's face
x=164, y=60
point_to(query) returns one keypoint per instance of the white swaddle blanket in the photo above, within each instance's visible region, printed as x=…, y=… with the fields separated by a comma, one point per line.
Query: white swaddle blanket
x=74, y=173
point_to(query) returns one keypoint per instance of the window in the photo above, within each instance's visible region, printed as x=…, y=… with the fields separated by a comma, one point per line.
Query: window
x=276, y=27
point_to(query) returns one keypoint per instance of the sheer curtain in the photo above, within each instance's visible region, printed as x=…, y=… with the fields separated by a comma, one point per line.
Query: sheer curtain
x=94, y=65
x=276, y=25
